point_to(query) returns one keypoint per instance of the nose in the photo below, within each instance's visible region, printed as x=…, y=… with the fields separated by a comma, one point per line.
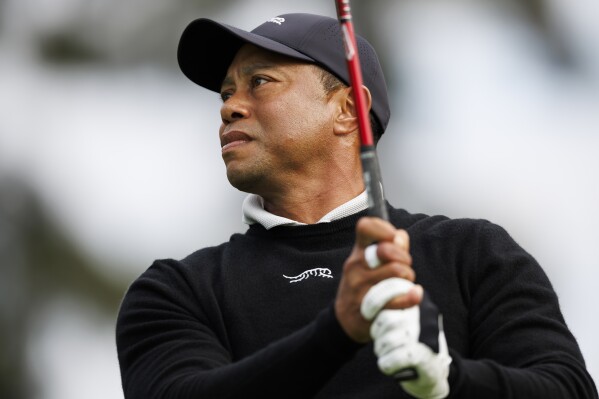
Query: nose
x=236, y=107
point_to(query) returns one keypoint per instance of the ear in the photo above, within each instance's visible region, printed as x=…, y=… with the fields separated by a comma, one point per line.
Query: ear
x=346, y=119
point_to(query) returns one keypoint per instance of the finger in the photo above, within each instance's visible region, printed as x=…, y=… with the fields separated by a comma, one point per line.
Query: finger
x=393, y=340
x=405, y=331
x=371, y=257
x=379, y=294
x=391, y=270
x=412, y=298
x=402, y=238
x=372, y=229
x=403, y=357
x=387, y=320
x=383, y=252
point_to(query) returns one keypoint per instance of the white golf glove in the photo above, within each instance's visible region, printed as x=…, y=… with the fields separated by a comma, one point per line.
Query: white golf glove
x=409, y=341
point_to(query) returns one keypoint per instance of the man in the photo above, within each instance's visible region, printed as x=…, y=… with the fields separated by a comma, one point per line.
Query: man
x=316, y=299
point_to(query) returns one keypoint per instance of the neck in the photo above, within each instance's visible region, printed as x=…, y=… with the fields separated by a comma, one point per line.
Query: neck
x=308, y=203
x=307, y=194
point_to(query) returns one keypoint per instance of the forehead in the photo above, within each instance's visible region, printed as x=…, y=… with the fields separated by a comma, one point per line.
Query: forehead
x=250, y=58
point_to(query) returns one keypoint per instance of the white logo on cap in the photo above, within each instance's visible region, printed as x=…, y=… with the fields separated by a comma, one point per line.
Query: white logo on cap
x=277, y=20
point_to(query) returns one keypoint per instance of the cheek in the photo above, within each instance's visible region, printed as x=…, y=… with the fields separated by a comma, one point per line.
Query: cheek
x=301, y=118
x=282, y=121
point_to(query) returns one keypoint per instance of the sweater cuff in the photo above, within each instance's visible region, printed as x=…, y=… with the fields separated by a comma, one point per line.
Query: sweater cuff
x=470, y=378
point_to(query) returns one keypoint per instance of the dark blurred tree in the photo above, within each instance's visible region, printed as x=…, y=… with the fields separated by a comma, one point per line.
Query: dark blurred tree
x=541, y=17
x=117, y=32
x=38, y=262
x=534, y=13
x=141, y=31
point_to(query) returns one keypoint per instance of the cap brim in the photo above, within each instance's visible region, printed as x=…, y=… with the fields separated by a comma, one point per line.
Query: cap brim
x=207, y=48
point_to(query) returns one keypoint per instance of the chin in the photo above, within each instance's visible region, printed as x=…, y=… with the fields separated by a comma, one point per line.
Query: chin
x=245, y=182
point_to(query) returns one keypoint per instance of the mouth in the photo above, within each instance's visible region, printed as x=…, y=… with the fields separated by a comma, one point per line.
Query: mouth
x=232, y=139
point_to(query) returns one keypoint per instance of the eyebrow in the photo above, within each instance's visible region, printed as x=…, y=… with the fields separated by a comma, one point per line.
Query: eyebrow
x=247, y=70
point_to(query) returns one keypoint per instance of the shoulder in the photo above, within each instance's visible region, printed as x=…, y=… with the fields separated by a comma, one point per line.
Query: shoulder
x=479, y=235
x=177, y=274
x=170, y=283
x=423, y=224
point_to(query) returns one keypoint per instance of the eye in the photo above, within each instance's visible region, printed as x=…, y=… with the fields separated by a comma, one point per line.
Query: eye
x=258, y=81
x=224, y=95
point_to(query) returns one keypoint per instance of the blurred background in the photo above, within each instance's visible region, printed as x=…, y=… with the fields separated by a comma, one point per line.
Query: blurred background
x=109, y=157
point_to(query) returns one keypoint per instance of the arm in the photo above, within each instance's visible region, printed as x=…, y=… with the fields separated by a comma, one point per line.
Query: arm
x=168, y=349
x=520, y=346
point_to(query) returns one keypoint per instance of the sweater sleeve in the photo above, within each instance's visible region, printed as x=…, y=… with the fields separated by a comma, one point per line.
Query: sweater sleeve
x=168, y=348
x=520, y=346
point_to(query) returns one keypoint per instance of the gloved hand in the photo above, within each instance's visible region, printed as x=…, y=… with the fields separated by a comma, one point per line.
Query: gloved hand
x=410, y=338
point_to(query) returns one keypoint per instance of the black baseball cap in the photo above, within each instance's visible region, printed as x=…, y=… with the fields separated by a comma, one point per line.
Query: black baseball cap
x=207, y=48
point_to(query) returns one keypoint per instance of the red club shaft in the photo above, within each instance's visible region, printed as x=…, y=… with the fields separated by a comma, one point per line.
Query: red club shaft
x=370, y=164
x=355, y=72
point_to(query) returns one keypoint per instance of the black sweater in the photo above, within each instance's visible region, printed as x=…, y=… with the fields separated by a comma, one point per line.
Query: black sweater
x=253, y=318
